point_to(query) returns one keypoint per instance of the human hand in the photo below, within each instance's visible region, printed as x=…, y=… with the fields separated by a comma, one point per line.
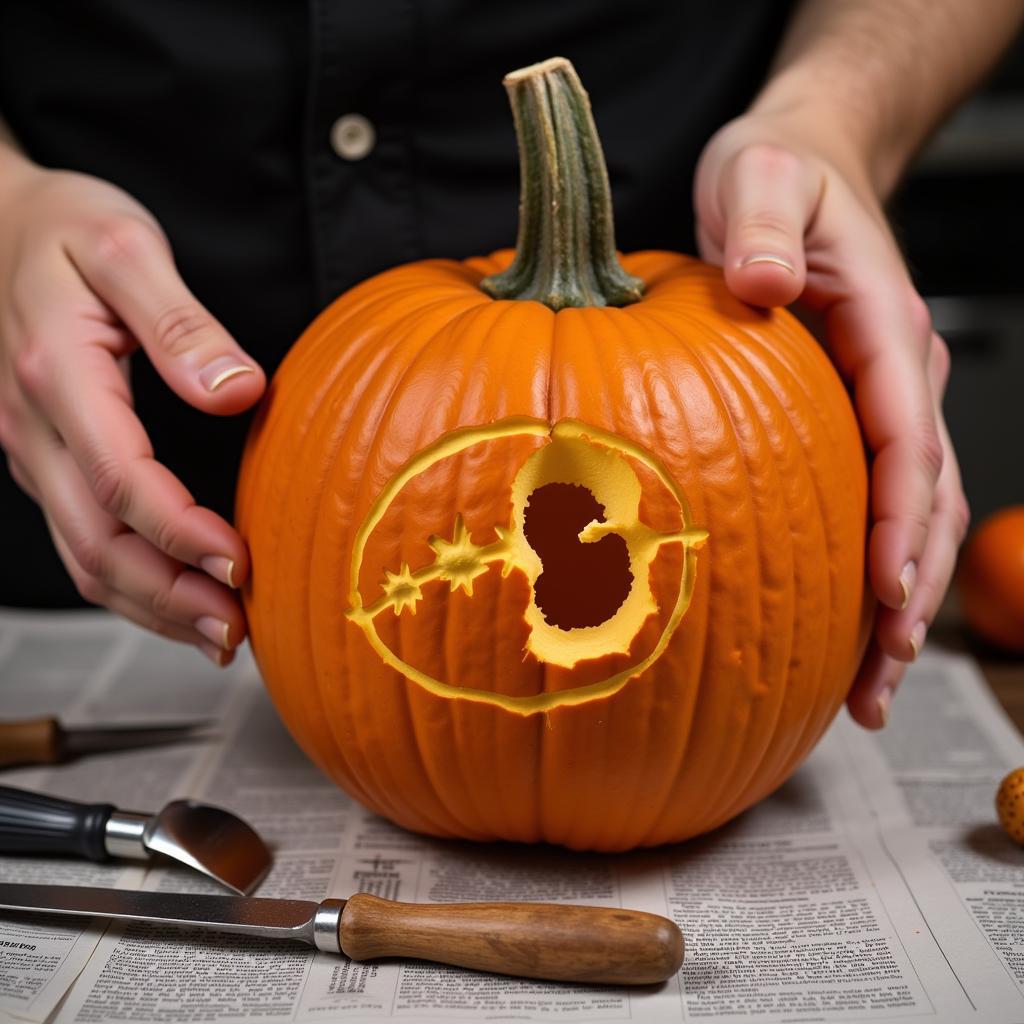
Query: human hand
x=788, y=211
x=86, y=278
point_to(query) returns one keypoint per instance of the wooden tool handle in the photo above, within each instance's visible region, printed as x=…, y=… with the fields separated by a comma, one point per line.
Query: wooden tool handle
x=532, y=940
x=33, y=741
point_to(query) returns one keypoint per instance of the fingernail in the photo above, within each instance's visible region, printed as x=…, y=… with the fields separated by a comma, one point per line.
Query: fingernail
x=768, y=257
x=217, y=655
x=220, y=568
x=908, y=577
x=222, y=369
x=884, y=701
x=916, y=638
x=217, y=631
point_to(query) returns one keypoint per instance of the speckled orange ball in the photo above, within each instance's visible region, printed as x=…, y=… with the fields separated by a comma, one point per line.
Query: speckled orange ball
x=1010, y=805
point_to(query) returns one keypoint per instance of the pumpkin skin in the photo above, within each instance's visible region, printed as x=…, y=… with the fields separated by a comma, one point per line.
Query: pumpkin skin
x=746, y=415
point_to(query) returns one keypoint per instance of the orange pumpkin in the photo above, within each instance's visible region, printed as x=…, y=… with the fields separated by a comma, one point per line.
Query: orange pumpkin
x=552, y=548
x=991, y=579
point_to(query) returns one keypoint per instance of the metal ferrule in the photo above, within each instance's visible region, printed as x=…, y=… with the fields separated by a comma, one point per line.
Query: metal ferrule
x=327, y=925
x=123, y=836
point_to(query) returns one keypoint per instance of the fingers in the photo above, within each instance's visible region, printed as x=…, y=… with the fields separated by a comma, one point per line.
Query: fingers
x=79, y=389
x=128, y=265
x=879, y=334
x=124, y=572
x=93, y=278
x=902, y=632
x=135, y=612
x=767, y=196
x=870, y=697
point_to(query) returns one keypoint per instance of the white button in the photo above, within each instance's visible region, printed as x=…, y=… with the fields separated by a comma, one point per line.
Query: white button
x=352, y=137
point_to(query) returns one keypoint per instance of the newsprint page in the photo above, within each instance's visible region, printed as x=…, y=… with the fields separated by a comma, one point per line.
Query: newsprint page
x=874, y=886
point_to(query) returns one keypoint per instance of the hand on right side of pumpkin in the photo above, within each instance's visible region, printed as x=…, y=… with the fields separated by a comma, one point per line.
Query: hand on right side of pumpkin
x=790, y=218
x=86, y=278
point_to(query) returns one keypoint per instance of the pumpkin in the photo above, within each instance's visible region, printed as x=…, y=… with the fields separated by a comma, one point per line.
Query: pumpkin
x=552, y=545
x=991, y=579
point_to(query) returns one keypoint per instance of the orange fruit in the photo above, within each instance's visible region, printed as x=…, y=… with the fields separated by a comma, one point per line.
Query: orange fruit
x=991, y=579
x=1010, y=805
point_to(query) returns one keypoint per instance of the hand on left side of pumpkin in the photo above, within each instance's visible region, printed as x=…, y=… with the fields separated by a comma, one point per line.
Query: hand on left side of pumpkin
x=86, y=279
x=790, y=221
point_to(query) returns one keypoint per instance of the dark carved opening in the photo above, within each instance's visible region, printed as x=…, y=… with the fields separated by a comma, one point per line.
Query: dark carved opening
x=582, y=584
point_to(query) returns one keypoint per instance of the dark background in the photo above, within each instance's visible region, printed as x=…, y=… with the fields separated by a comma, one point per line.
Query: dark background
x=960, y=217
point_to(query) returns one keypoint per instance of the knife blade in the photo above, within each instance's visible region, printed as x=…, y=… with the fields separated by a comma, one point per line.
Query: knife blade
x=557, y=942
x=46, y=741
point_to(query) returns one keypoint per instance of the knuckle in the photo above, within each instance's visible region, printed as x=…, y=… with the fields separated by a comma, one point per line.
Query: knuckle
x=165, y=535
x=928, y=450
x=122, y=240
x=766, y=222
x=961, y=516
x=761, y=159
x=111, y=485
x=180, y=329
x=920, y=521
x=89, y=555
x=31, y=367
x=161, y=602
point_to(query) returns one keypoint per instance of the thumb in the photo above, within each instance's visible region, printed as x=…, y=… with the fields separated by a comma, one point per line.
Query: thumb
x=767, y=198
x=128, y=264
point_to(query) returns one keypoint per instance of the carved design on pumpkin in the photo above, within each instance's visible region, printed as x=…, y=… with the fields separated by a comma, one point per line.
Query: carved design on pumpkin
x=575, y=454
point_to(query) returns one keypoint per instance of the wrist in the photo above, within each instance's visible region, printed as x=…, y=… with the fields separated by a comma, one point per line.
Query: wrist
x=842, y=128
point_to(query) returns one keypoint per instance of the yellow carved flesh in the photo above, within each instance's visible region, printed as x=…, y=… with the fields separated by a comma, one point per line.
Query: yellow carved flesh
x=576, y=454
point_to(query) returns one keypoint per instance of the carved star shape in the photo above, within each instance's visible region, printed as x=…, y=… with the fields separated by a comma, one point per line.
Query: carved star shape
x=402, y=589
x=458, y=560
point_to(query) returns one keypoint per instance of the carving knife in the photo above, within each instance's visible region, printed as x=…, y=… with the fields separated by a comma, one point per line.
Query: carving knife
x=208, y=839
x=533, y=940
x=46, y=741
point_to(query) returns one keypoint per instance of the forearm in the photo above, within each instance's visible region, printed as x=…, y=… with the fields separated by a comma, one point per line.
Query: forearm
x=874, y=77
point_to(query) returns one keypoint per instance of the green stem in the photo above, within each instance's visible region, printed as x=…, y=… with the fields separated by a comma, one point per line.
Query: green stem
x=565, y=254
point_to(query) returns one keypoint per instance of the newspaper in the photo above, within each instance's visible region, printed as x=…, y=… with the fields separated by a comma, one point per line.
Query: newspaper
x=874, y=885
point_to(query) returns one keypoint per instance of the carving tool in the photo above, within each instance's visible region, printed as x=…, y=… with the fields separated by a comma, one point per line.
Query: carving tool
x=46, y=741
x=533, y=940
x=209, y=839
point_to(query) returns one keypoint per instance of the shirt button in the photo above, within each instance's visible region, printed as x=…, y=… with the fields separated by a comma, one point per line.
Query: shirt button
x=352, y=137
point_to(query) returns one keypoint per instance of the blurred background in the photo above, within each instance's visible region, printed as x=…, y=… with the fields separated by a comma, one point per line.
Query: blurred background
x=959, y=216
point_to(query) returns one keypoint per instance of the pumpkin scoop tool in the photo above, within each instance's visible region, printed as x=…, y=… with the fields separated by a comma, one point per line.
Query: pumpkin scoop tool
x=208, y=839
x=535, y=940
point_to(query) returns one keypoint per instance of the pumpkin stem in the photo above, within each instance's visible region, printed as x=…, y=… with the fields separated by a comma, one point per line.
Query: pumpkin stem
x=565, y=254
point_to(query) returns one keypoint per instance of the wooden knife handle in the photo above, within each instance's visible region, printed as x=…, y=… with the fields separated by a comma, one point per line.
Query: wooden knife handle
x=32, y=741
x=532, y=940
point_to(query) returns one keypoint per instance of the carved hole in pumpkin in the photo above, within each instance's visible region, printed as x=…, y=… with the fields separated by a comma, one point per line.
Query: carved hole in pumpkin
x=582, y=584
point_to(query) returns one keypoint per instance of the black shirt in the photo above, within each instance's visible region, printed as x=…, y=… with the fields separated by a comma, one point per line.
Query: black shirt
x=217, y=116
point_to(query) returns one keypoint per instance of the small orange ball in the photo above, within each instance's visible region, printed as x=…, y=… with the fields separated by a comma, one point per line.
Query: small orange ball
x=991, y=579
x=1010, y=805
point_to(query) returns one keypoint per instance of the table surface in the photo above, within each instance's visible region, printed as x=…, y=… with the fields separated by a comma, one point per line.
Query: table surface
x=1004, y=672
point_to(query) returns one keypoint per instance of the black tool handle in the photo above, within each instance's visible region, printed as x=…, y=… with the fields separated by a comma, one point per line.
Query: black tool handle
x=35, y=823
